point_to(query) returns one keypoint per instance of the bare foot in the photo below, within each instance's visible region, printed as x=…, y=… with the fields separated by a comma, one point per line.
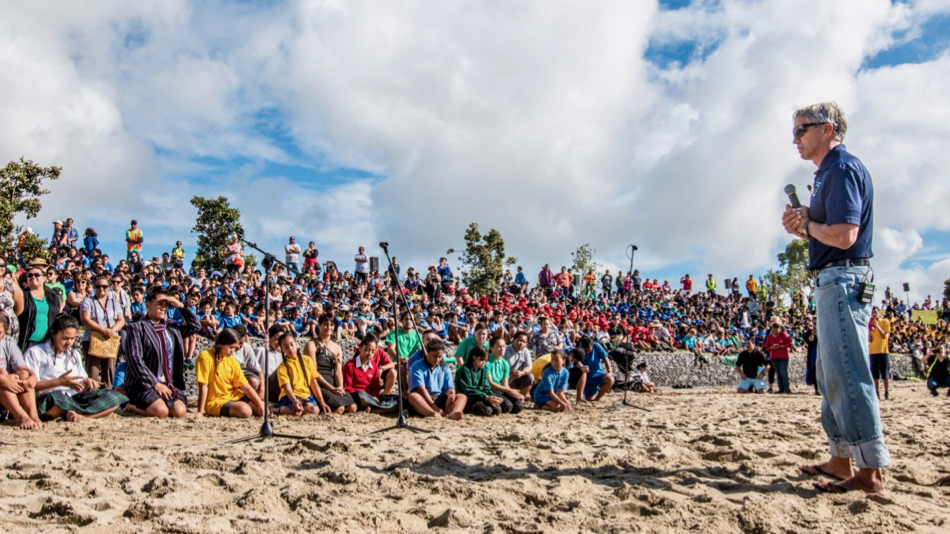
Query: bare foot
x=74, y=417
x=867, y=484
x=27, y=424
x=455, y=416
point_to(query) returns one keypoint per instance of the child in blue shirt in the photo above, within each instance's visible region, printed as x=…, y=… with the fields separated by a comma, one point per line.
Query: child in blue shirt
x=551, y=391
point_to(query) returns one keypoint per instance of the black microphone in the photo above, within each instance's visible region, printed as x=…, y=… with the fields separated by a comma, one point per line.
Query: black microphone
x=792, y=196
x=383, y=245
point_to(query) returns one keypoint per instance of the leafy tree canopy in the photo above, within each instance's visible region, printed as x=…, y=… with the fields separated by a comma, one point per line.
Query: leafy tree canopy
x=20, y=192
x=216, y=224
x=484, y=260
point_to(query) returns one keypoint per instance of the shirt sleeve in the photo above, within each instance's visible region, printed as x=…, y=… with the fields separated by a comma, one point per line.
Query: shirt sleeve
x=449, y=381
x=843, y=196
x=282, y=376
x=203, y=366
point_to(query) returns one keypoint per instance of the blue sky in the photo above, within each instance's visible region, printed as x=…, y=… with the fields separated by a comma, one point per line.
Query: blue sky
x=664, y=125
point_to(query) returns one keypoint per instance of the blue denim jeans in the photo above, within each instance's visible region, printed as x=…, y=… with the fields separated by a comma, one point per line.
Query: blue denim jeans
x=850, y=413
x=781, y=375
x=933, y=385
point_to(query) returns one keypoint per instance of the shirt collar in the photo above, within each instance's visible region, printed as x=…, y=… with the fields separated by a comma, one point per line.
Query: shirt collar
x=367, y=367
x=830, y=158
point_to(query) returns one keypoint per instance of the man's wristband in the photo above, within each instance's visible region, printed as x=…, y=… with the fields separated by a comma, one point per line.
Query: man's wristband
x=804, y=228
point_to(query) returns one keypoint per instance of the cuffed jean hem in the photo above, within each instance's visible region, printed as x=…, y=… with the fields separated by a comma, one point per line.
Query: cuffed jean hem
x=868, y=454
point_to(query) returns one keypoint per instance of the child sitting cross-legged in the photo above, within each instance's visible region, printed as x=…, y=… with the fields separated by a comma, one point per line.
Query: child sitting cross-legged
x=297, y=379
x=472, y=381
x=550, y=392
x=223, y=390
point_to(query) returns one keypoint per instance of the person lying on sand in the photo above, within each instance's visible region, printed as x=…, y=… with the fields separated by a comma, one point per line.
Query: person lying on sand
x=431, y=388
x=63, y=388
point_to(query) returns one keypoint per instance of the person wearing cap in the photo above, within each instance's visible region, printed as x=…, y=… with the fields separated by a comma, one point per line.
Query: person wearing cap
x=178, y=256
x=59, y=235
x=133, y=240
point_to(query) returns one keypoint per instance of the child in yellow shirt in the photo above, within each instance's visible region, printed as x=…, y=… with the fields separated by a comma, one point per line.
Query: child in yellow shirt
x=297, y=377
x=222, y=388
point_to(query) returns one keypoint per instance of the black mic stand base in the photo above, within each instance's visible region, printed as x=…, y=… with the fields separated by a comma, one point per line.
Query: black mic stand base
x=266, y=432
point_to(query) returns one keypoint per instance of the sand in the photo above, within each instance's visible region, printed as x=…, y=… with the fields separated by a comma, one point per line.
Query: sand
x=703, y=461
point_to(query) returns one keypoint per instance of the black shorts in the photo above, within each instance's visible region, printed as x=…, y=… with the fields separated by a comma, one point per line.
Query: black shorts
x=881, y=366
x=573, y=375
x=226, y=408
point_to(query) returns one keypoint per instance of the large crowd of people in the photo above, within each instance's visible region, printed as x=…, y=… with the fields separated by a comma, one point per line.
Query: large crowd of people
x=528, y=343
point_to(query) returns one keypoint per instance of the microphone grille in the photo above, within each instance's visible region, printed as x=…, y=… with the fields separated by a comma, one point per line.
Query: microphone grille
x=789, y=189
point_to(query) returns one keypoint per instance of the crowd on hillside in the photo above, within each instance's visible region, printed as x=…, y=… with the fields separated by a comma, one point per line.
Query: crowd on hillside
x=330, y=300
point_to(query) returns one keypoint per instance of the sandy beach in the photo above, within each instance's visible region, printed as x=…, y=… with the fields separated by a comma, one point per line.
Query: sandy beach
x=704, y=461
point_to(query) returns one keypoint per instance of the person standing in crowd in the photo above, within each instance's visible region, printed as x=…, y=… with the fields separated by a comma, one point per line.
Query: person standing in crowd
x=521, y=280
x=361, y=270
x=838, y=225
x=71, y=234
x=687, y=284
x=40, y=306
x=445, y=274
x=133, y=240
x=711, y=285
x=101, y=313
x=11, y=305
x=546, y=279
x=605, y=282
x=155, y=356
x=751, y=286
x=778, y=342
x=178, y=256
x=811, y=346
x=311, y=258
x=879, y=328
x=292, y=254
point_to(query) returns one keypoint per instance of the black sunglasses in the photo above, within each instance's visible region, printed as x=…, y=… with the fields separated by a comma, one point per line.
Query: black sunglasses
x=800, y=130
x=101, y=286
x=35, y=275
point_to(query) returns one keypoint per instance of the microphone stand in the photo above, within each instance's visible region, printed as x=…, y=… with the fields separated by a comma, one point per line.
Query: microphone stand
x=266, y=430
x=401, y=418
x=626, y=387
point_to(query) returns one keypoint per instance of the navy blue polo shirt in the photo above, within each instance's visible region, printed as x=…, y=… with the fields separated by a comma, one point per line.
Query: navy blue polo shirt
x=842, y=193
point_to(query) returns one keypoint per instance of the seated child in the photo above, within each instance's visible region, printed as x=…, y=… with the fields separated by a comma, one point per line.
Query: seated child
x=647, y=385
x=63, y=388
x=17, y=383
x=431, y=389
x=473, y=383
x=577, y=374
x=499, y=371
x=297, y=379
x=223, y=390
x=550, y=392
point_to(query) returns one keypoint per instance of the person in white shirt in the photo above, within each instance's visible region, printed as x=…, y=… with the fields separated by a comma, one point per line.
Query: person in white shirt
x=362, y=266
x=292, y=254
x=645, y=382
x=63, y=389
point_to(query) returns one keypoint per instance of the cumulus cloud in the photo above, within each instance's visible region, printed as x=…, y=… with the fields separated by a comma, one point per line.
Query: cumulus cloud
x=549, y=121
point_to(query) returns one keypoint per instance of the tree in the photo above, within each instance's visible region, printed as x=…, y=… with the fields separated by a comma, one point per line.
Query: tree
x=583, y=260
x=946, y=289
x=791, y=280
x=484, y=260
x=216, y=224
x=34, y=246
x=20, y=192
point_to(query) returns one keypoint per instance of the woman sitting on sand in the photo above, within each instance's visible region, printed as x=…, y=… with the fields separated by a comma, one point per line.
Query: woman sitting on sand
x=17, y=382
x=472, y=381
x=296, y=377
x=223, y=390
x=63, y=388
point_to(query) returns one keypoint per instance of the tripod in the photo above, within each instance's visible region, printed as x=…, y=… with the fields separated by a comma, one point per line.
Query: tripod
x=626, y=387
x=401, y=418
x=266, y=430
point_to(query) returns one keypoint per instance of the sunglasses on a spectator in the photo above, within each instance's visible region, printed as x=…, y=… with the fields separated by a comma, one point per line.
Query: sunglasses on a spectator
x=800, y=130
x=35, y=275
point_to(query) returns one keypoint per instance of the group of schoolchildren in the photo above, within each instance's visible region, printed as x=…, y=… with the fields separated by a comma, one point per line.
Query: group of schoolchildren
x=490, y=378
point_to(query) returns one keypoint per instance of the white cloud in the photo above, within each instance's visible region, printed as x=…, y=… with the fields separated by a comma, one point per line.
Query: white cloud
x=541, y=119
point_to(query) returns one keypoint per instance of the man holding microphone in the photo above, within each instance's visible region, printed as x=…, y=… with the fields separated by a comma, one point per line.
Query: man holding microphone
x=838, y=225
